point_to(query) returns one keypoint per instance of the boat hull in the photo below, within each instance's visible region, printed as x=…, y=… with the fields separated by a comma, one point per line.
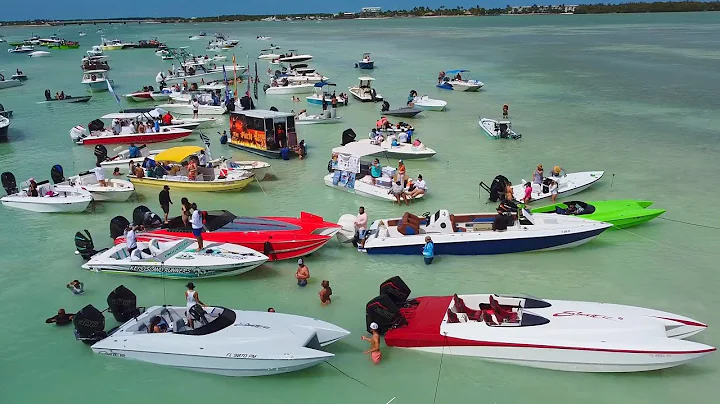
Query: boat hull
x=363, y=189
x=97, y=86
x=292, y=89
x=199, y=186
x=186, y=109
x=366, y=65
x=621, y=213
x=154, y=270
x=72, y=100
x=430, y=107
x=68, y=205
x=111, y=196
x=135, y=138
x=273, y=154
x=469, y=244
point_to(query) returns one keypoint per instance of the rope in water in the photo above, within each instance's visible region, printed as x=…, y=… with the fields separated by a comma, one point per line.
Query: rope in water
x=437, y=383
x=691, y=224
x=347, y=375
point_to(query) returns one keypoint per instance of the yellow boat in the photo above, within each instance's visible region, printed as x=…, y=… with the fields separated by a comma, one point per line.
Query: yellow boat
x=208, y=179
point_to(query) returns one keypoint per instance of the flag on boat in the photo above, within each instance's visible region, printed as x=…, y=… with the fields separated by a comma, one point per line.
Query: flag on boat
x=235, y=93
x=255, y=85
x=117, y=99
x=247, y=92
x=227, y=91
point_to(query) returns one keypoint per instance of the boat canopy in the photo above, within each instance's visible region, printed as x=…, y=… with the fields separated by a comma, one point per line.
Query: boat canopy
x=323, y=84
x=366, y=78
x=177, y=154
x=122, y=115
x=456, y=71
x=358, y=149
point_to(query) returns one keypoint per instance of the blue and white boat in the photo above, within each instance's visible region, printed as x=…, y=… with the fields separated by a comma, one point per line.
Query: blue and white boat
x=365, y=62
x=472, y=234
x=453, y=80
x=320, y=92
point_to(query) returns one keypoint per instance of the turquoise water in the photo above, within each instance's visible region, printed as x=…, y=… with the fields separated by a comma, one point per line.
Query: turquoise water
x=634, y=95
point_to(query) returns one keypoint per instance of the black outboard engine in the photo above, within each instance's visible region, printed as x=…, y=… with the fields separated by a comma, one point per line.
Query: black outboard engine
x=265, y=87
x=89, y=325
x=9, y=183
x=142, y=215
x=396, y=289
x=84, y=245
x=122, y=303
x=56, y=173
x=497, y=188
x=118, y=224
x=348, y=136
x=96, y=125
x=385, y=106
x=247, y=103
x=384, y=312
x=373, y=94
x=101, y=153
x=273, y=109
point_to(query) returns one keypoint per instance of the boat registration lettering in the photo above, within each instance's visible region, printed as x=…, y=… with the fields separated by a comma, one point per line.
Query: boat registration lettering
x=109, y=353
x=571, y=313
x=241, y=355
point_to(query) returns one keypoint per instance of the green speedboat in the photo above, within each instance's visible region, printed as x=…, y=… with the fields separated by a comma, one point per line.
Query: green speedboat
x=621, y=213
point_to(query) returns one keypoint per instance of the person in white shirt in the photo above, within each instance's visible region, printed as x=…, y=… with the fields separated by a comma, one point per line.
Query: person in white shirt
x=130, y=239
x=196, y=108
x=419, y=187
x=361, y=228
x=197, y=226
x=202, y=159
x=99, y=174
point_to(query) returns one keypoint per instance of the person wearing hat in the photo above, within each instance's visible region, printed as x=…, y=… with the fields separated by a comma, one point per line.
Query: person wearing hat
x=557, y=170
x=165, y=201
x=538, y=175
x=192, y=298
x=374, y=350
x=302, y=274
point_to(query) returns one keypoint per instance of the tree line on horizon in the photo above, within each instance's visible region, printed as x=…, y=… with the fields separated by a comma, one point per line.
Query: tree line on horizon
x=600, y=8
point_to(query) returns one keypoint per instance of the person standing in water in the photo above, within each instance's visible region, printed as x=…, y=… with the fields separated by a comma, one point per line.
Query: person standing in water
x=76, y=287
x=325, y=293
x=302, y=274
x=192, y=298
x=428, y=251
x=374, y=341
x=506, y=111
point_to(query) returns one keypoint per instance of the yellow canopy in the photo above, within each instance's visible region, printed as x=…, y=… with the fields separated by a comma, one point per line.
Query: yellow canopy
x=177, y=154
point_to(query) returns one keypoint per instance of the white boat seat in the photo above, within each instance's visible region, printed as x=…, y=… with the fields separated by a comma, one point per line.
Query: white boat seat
x=136, y=255
x=154, y=246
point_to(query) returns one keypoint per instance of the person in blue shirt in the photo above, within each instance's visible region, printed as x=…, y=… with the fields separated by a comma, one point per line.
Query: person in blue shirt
x=133, y=151
x=223, y=137
x=428, y=250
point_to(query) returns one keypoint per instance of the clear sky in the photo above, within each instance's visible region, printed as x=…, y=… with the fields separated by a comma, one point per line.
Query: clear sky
x=11, y=10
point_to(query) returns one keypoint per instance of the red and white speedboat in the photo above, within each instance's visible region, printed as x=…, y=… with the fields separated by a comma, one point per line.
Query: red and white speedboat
x=279, y=238
x=527, y=331
x=139, y=96
x=124, y=133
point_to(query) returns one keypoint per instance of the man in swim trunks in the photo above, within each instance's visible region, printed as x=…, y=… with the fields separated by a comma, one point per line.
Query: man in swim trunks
x=303, y=273
x=374, y=350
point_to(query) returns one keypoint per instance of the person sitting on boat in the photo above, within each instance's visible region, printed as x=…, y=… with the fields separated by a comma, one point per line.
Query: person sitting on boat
x=557, y=171
x=57, y=95
x=398, y=191
x=394, y=142
x=48, y=95
x=403, y=137
x=375, y=170
x=139, y=172
x=192, y=169
x=419, y=187
x=167, y=119
x=32, y=188
x=302, y=114
x=157, y=325
x=141, y=127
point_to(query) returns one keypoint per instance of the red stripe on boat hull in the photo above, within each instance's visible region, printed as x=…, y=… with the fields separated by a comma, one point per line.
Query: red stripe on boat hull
x=138, y=138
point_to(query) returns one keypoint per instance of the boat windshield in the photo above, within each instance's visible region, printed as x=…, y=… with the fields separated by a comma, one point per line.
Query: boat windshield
x=214, y=220
x=208, y=322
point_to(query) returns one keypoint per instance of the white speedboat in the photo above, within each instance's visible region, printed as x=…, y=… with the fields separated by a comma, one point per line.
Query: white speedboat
x=259, y=168
x=277, y=88
x=122, y=159
x=327, y=116
x=454, y=81
x=21, y=49
x=561, y=335
x=498, y=129
x=473, y=234
x=364, y=91
x=200, y=74
x=122, y=131
x=265, y=54
x=51, y=199
x=202, y=123
x=292, y=57
x=95, y=51
x=325, y=91
x=114, y=190
x=96, y=80
x=264, y=38
x=404, y=151
x=224, y=341
x=187, y=109
x=160, y=96
x=38, y=54
x=4, y=126
x=351, y=175
x=10, y=83
x=569, y=184
x=428, y=104
x=178, y=259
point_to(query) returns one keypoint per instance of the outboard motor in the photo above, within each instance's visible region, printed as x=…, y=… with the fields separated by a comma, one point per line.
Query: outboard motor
x=265, y=87
x=84, y=245
x=122, y=303
x=118, y=224
x=101, y=153
x=385, y=106
x=139, y=214
x=348, y=136
x=144, y=216
x=497, y=188
x=9, y=183
x=247, y=103
x=396, y=289
x=56, y=173
x=373, y=94
x=383, y=311
x=89, y=325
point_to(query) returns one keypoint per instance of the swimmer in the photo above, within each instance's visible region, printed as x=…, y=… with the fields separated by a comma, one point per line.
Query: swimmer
x=325, y=293
x=61, y=318
x=76, y=287
x=302, y=274
x=271, y=310
x=374, y=350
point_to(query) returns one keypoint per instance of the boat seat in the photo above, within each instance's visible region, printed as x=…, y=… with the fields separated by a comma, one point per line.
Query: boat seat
x=460, y=307
x=154, y=246
x=179, y=325
x=502, y=314
x=487, y=318
x=409, y=224
x=452, y=317
x=136, y=255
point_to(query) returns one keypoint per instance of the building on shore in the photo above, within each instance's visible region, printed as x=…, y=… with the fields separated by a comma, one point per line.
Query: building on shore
x=371, y=10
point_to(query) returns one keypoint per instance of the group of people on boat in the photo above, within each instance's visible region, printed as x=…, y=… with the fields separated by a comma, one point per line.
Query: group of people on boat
x=58, y=96
x=442, y=77
x=159, y=169
x=383, y=124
